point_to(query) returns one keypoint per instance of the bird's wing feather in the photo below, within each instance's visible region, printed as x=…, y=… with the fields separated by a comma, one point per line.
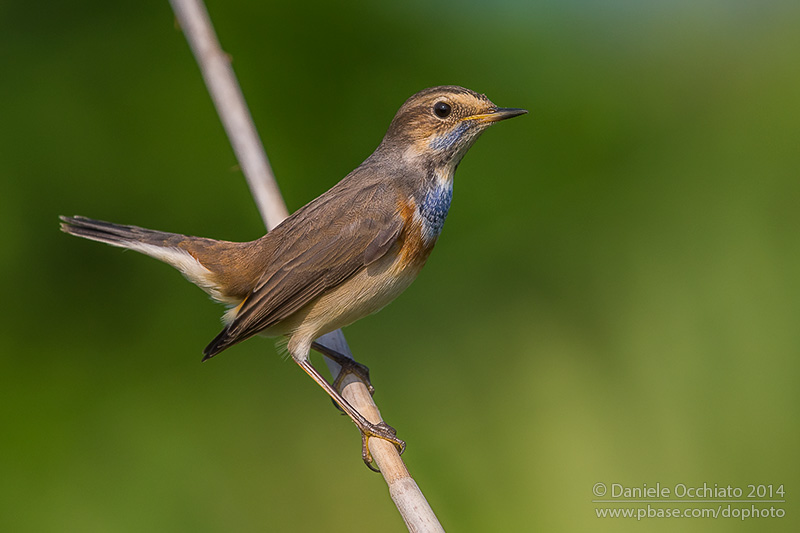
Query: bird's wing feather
x=321, y=245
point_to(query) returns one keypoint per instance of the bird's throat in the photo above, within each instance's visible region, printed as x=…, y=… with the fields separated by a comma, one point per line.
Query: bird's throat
x=434, y=205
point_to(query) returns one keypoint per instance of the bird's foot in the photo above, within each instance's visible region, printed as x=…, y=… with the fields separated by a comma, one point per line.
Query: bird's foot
x=383, y=431
x=368, y=429
x=357, y=369
x=349, y=366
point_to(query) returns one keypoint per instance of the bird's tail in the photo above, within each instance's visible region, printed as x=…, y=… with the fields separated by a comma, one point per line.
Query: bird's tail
x=132, y=237
x=187, y=254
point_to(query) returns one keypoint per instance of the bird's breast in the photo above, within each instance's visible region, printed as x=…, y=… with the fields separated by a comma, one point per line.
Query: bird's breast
x=432, y=208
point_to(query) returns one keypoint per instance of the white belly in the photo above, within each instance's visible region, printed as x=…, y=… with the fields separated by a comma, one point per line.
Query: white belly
x=365, y=293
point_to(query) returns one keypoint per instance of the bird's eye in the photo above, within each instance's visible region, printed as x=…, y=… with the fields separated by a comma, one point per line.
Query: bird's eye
x=442, y=109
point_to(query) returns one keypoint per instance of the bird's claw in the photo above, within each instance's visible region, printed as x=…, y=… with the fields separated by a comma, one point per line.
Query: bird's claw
x=357, y=369
x=384, y=431
x=348, y=366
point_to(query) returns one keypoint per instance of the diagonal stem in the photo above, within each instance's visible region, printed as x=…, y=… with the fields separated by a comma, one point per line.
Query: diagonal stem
x=215, y=66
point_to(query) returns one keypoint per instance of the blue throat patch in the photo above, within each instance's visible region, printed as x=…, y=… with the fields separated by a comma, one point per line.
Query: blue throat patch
x=446, y=141
x=434, y=208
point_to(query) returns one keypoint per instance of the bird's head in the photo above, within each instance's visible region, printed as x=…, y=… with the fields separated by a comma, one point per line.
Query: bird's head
x=438, y=125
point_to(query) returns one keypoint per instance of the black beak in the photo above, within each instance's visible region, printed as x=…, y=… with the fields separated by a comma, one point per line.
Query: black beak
x=503, y=113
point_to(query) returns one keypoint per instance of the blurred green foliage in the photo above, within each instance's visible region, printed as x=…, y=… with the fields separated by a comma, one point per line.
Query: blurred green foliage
x=614, y=298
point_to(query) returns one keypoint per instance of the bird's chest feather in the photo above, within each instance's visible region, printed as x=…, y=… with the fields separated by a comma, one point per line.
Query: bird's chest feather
x=432, y=209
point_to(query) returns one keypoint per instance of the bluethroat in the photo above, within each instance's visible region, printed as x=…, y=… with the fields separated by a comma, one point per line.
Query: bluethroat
x=342, y=256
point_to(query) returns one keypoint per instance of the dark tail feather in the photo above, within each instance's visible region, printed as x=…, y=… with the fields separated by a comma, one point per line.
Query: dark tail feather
x=172, y=249
x=116, y=234
x=180, y=251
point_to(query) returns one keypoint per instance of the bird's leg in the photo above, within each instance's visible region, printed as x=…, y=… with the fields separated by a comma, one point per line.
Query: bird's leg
x=349, y=366
x=381, y=430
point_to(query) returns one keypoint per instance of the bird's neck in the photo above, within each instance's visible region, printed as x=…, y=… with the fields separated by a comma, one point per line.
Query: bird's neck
x=427, y=180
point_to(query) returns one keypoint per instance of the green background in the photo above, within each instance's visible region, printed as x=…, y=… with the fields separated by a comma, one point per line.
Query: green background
x=614, y=298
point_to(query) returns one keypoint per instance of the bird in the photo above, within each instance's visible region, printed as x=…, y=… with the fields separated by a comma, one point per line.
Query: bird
x=342, y=256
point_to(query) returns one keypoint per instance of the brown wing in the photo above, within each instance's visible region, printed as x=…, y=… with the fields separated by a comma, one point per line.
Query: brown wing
x=319, y=247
